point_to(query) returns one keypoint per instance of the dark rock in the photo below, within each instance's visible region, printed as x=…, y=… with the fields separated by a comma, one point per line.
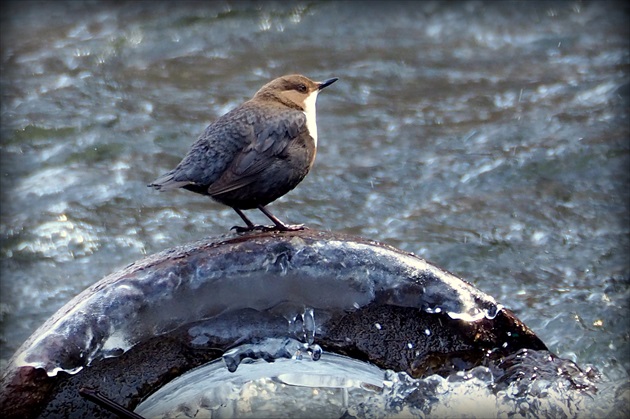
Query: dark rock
x=140, y=327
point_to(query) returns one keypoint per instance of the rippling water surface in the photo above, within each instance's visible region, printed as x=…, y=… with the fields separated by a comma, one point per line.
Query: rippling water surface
x=490, y=138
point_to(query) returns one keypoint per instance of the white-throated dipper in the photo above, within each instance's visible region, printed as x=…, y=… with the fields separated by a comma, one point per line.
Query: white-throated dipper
x=255, y=153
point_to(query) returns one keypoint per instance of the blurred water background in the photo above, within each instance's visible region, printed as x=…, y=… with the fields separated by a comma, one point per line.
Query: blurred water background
x=490, y=138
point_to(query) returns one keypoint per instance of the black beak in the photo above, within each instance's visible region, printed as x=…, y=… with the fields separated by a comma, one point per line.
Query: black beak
x=326, y=83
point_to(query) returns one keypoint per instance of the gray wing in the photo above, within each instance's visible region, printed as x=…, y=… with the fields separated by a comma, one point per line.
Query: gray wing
x=214, y=151
x=272, y=137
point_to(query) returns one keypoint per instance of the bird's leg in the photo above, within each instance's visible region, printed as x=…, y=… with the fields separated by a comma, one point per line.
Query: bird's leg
x=250, y=225
x=279, y=224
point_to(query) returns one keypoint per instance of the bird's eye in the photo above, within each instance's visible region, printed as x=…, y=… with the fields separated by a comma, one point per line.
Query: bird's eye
x=301, y=88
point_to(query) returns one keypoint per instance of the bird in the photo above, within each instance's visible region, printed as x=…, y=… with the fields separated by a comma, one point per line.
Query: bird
x=255, y=153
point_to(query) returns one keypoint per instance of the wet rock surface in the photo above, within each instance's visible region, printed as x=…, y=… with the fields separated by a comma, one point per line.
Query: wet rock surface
x=138, y=328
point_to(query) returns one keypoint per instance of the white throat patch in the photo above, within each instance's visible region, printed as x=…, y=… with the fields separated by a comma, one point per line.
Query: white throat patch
x=309, y=111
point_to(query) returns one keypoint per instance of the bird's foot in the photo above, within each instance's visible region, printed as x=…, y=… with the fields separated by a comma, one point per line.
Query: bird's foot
x=283, y=227
x=290, y=227
x=246, y=229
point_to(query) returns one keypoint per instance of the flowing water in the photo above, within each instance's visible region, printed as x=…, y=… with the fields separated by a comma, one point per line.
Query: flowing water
x=490, y=138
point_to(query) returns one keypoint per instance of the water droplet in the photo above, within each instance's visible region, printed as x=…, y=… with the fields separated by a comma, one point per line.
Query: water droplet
x=315, y=352
x=309, y=325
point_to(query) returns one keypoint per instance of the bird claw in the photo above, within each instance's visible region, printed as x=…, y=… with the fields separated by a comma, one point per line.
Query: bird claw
x=240, y=229
x=286, y=227
x=291, y=227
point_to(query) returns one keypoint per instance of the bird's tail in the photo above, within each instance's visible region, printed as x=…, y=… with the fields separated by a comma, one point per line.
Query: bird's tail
x=167, y=181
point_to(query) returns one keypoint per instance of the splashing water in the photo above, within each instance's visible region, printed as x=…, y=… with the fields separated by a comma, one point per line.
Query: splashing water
x=269, y=350
x=338, y=386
